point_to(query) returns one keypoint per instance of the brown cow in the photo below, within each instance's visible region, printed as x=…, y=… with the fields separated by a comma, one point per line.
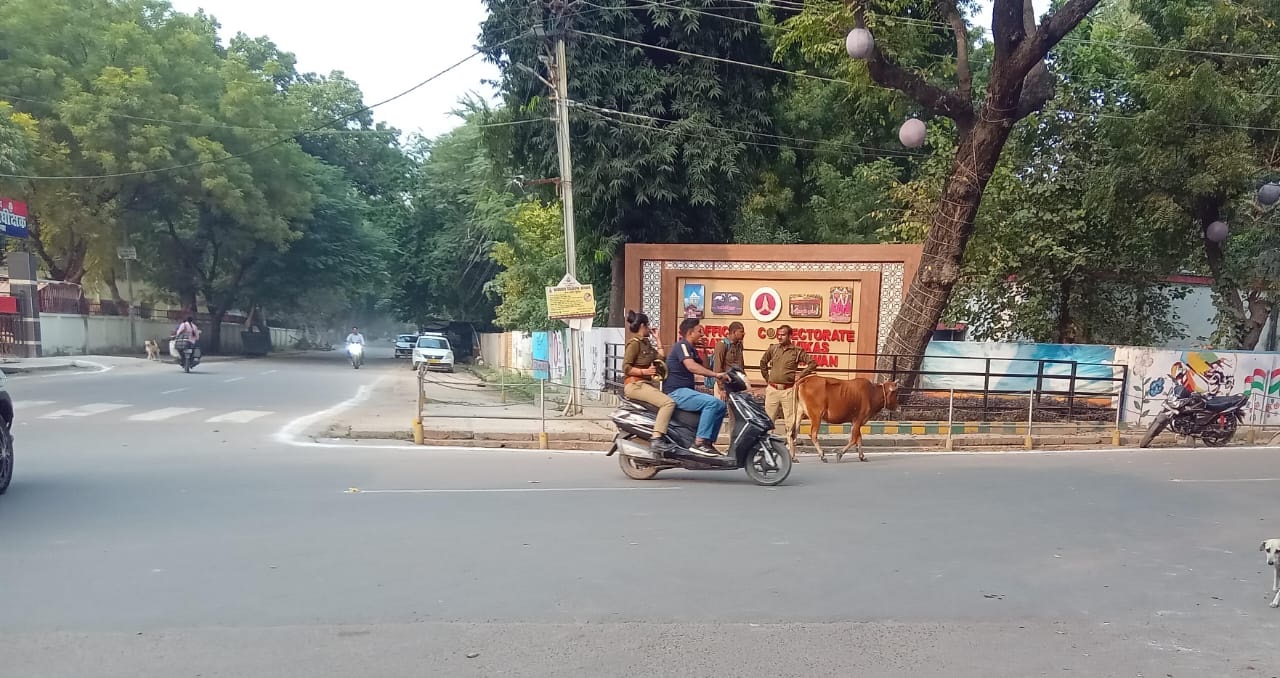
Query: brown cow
x=837, y=401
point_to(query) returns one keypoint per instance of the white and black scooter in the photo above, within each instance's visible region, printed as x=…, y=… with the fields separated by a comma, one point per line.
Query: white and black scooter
x=355, y=353
x=752, y=447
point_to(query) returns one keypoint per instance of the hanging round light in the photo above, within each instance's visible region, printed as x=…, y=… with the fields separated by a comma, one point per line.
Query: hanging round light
x=1269, y=194
x=912, y=133
x=859, y=43
x=1217, y=231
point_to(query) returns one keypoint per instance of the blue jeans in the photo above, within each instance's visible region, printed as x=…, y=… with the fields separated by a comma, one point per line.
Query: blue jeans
x=711, y=411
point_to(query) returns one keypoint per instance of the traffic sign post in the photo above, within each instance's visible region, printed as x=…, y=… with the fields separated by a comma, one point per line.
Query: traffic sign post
x=575, y=304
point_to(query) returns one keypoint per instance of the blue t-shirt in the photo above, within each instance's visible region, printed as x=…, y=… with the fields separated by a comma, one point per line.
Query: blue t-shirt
x=679, y=376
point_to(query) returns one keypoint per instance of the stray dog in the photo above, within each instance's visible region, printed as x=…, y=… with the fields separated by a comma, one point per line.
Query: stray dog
x=1272, y=548
x=153, y=350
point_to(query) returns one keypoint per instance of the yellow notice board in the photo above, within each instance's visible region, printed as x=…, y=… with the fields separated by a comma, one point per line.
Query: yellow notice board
x=570, y=301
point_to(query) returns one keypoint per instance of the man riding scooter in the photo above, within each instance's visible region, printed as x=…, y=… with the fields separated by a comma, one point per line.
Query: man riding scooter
x=683, y=364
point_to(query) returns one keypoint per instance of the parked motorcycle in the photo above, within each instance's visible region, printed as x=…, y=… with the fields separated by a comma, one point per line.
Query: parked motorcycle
x=355, y=353
x=1211, y=419
x=752, y=447
x=186, y=352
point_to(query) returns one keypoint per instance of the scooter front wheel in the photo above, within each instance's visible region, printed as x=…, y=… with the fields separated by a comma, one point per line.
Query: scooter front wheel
x=770, y=464
x=636, y=470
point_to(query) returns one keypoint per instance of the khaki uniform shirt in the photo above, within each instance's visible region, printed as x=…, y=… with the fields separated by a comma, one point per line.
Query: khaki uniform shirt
x=639, y=354
x=780, y=364
x=727, y=355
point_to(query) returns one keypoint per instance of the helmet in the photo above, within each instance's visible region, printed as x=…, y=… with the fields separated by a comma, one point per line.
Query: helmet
x=661, y=368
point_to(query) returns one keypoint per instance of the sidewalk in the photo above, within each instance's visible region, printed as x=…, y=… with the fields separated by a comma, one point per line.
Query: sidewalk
x=464, y=411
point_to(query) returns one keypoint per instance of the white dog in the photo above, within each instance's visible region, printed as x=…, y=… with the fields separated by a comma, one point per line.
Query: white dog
x=1272, y=548
x=153, y=350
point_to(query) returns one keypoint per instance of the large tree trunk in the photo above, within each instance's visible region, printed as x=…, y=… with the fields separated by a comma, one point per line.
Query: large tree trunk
x=617, y=287
x=1065, y=332
x=1242, y=314
x=213, y=337
x=949, y=232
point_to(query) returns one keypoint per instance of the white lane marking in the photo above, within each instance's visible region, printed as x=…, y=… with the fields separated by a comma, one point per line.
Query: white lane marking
x=164, y=413
x=484, y=490
x=34, y=403
x=239, y=416
x=1223, y=480
x=86, y=410
x=288, y=434
x=233, y=379
x=271, y=371
x=173, y=391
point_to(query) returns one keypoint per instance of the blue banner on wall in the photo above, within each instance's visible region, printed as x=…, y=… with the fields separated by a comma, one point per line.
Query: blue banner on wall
x=541, y=356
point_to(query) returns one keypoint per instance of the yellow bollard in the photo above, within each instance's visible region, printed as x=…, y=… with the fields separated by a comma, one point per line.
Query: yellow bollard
x=1115, y=438
x=543, y=443
x=418, y=437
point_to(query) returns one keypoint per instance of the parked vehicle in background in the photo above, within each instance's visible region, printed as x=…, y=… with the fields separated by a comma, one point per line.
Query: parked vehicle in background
x=6, y=434
x=1213, y=420
x=405, y=344
x=434, y=351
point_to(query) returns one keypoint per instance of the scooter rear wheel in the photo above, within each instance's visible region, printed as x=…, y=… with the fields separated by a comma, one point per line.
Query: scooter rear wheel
x=636, y=470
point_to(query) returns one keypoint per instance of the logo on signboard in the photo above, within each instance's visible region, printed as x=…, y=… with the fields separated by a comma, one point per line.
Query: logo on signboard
x=841, y=309
x=766, y=304
x=726, y=303
x=805, y=306
x=13, y=217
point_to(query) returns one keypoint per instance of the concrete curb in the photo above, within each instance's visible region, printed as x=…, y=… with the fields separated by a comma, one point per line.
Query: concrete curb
x=43, y=369
x=601, y=441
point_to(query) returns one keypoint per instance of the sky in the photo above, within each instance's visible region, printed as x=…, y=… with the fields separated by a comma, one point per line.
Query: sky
x=387, y=46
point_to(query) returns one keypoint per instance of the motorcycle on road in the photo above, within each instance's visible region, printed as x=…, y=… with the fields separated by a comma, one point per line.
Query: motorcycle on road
x=355, y=353
x=187, y=352
x=1211, y=419
x=752, y=447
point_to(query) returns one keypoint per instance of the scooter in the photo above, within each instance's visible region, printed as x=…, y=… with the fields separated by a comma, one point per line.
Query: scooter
x=355, y=353
x=752, y=446
x=187, y=352
x=1212, y=420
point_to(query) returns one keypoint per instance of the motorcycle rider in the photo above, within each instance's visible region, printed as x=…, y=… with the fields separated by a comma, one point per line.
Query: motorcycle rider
x=187, y=331
x=682, y=364
x=355, y=337
x=638, y=372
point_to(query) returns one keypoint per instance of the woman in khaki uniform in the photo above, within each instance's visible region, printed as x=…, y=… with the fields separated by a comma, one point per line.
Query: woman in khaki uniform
x=639, y=367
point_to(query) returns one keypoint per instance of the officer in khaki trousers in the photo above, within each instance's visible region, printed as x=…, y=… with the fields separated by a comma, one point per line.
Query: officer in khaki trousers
x=639, y=367
x=782, y=365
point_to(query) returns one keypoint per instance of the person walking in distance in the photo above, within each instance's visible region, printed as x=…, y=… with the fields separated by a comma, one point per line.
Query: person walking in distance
x=782, y=365
x=638, y=378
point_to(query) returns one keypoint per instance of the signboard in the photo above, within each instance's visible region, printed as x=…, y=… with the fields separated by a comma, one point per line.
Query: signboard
x=570, y=301
x=13, y=218
x=127, y=253
x=541, y=356
x=826, y=327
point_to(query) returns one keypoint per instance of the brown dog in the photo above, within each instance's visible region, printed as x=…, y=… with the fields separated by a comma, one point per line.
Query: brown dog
x=153, y=350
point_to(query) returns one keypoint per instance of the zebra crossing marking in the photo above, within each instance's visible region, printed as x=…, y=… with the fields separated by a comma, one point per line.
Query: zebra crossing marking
x=164, y=413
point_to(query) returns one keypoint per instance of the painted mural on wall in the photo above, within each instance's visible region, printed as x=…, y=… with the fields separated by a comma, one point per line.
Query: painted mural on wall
x=1018, y=367
x=1156, y=373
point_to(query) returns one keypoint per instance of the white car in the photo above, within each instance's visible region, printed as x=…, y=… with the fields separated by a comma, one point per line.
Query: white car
x=434, y=351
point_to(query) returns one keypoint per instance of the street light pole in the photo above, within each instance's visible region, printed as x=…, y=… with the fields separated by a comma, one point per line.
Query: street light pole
x=128, y=277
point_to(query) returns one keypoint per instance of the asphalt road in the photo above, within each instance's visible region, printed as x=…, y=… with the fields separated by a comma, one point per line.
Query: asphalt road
x=168, y=525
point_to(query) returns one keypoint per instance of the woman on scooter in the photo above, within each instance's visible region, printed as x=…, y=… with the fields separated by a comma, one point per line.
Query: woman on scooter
x=639, y=370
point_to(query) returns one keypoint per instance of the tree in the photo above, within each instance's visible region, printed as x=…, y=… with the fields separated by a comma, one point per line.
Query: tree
x=459, y=206
x=660, y=141
x=1201, y=139
x=1016, y=86
x=532, y=257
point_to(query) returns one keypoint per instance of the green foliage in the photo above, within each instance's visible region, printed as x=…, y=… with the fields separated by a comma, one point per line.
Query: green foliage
x=532, y=256
x=184, y=145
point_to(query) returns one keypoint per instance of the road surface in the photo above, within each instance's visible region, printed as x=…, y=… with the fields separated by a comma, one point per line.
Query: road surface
x=163, y=524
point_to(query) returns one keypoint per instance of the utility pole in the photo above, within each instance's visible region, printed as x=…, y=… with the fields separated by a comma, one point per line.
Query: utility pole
x=559, y=66
x=128, y=276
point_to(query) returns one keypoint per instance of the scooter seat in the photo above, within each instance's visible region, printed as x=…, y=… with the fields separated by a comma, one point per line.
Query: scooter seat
x=682, y=417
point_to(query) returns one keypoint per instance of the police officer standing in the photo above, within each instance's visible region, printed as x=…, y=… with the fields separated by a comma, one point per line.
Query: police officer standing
x=782, y=365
